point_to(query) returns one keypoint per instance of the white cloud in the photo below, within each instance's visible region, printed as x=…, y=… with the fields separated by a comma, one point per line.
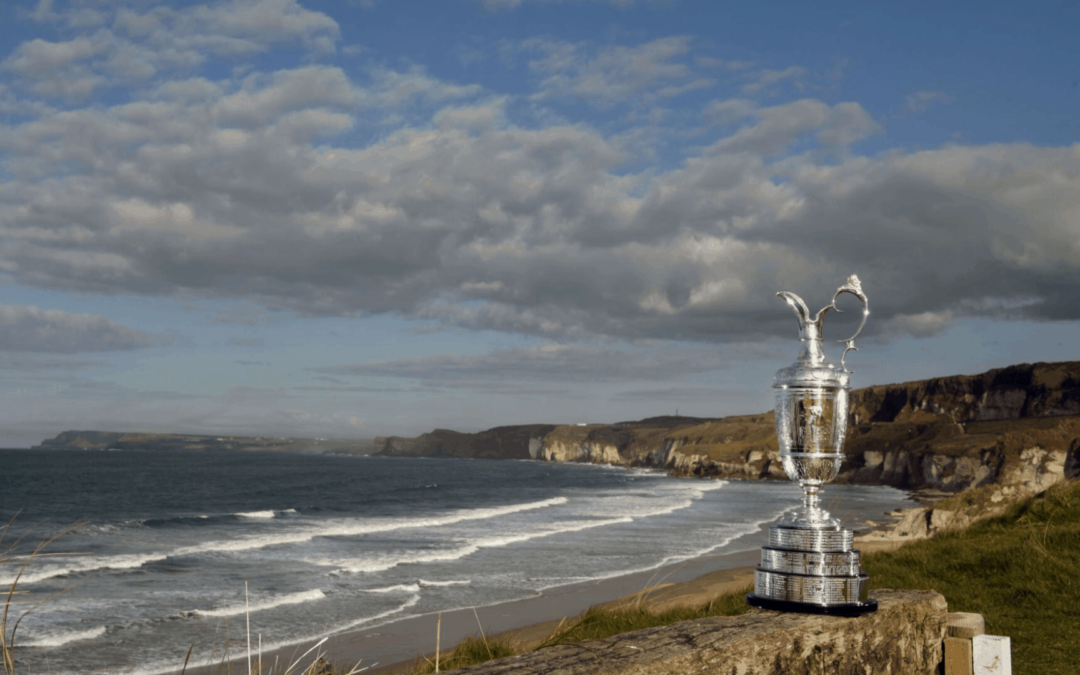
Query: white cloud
x=29, y=329
x=136, y=46
x=729, y=111
x=777, y=127
x=920, y=101
x=40, y=58
x=768, y=78
x=655, y=69
x=397, y=88
x=921, y=325
x=262, y=100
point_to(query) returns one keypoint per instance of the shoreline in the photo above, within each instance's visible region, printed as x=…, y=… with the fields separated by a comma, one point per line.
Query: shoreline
x=392, y=648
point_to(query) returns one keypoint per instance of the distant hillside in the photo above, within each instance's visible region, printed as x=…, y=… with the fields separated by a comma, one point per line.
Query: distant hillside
x=104, y=440
x=947, y=433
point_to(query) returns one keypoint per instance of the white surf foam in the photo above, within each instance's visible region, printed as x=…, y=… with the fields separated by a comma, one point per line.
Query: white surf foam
x=255, y=514
x=61, y=638
x=352, y=528
x=649, y=504
x=55, y=569
x=416, y=586
x=398, y=588
x=270, y=603
x=383, y=564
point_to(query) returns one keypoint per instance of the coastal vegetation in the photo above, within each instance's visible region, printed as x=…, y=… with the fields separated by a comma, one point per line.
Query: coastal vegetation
x=1020, y=570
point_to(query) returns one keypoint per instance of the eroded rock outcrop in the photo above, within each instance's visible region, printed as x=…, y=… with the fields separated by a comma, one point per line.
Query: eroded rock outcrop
x=1015, y=392
x=1036, y=471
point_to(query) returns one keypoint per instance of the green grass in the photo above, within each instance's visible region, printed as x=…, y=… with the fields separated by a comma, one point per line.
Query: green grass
x=597, y=623
x=470, y=651
x=1020, y=570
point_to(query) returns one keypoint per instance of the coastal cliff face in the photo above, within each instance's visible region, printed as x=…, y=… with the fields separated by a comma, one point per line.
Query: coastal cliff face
x=510, y=442
x=1010, y=426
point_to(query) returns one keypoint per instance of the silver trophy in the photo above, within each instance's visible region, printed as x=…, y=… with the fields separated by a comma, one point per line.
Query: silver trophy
x=809, y=565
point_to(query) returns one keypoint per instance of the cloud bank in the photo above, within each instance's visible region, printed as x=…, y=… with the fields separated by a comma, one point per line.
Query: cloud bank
x=322, y=191
x=29, y=329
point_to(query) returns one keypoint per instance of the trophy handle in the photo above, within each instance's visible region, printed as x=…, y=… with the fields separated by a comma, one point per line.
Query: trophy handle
x=853, y=287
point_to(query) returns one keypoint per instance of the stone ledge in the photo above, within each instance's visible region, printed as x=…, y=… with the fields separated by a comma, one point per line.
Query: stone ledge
x=903, y=637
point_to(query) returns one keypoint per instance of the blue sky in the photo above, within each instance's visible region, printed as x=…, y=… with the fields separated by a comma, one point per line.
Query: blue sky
x=352, y=219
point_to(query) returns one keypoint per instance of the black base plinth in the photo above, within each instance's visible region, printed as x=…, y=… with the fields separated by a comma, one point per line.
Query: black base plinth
x=855, y=609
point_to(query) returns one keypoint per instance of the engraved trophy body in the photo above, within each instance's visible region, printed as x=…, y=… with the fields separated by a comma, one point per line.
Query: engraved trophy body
x=809, y=565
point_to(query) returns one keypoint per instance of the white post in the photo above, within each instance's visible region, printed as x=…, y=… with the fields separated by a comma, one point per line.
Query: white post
x=992, y=655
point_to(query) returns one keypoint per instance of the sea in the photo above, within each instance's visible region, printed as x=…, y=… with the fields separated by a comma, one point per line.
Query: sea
x=170, y=551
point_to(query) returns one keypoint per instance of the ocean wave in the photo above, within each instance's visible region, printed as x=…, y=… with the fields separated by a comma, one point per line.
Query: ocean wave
x=115, y=562
x=381, y=565
x=270, y=603
x=62, y=638
x=338, y=529
x=200, y=519
x=254, y=514
x=355, y=528
x=265, y=514
x=634, y=506
x=416, y=586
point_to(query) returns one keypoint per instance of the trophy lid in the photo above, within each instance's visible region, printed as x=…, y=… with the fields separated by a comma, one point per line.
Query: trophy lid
x=812, y=369
x=818, y=375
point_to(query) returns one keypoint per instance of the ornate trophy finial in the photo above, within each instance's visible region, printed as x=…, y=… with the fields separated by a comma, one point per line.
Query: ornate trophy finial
x=809, y=565
x=810, y=330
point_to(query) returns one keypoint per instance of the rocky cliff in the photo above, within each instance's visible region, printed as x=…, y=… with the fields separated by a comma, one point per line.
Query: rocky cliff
x=511, y=442
x=947, y=434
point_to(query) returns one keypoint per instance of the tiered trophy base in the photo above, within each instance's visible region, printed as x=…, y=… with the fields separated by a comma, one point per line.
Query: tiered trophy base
x=811, y=570
x=857, y=609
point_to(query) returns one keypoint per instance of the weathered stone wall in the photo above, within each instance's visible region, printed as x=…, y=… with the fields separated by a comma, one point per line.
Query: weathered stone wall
x=904, y=637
